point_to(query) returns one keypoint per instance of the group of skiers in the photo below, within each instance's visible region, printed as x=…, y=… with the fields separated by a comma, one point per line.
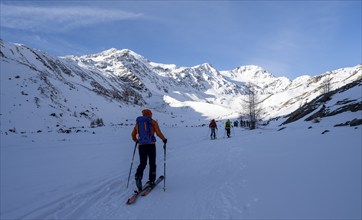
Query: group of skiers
x=228, y=125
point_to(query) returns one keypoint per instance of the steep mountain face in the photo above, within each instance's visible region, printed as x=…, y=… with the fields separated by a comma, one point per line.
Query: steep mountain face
x=156, y=78
x=304, y=89
x=203, y=83
x=39, y=90
x=48, y=68
x=347, y=99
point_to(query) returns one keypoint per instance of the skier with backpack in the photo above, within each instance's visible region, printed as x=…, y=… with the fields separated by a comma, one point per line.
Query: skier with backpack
x=213, y=126
x=144, y=135
x=228, y=126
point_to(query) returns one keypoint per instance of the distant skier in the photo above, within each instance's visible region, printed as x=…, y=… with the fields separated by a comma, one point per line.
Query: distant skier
x=236, y=123
x=144, y=134
x=228, y=126
x=213, y=126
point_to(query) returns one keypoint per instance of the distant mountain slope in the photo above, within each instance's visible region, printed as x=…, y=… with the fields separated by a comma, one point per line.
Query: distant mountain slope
x=305, y=88
x=40, y=91
x=264, y=81
x=205, y=84
x=345, y=99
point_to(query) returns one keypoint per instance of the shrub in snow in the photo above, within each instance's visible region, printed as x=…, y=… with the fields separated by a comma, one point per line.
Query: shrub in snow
x=97, y=123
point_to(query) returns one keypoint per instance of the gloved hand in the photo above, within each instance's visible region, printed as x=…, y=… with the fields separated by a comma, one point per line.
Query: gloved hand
x=165, y=141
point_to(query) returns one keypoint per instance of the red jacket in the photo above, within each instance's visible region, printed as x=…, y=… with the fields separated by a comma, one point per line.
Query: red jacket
x=213, y=124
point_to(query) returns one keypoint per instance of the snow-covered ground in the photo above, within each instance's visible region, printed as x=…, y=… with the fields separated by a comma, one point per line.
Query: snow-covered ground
x=297, y=172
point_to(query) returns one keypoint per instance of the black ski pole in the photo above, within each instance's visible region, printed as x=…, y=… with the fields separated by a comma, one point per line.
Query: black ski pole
x=164, y=167
x=130, y=169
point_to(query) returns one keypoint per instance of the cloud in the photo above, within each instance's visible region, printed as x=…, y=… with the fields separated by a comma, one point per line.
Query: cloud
x=36, y=18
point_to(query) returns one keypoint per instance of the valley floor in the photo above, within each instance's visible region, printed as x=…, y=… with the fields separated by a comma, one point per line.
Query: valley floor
x=293, y=173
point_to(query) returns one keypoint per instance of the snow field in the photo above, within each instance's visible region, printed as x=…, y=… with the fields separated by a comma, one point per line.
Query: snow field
x=293, y=173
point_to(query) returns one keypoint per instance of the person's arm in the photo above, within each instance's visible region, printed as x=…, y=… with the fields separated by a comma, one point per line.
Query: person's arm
x=158, y=131
x=134, y=133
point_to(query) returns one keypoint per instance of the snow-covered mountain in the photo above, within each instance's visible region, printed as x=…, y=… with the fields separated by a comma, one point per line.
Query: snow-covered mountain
x=265, y=82
x=40, y=91
x=348, y=99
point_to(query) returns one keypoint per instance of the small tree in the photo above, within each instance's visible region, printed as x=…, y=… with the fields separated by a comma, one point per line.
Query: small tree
x=100, y=122
x=97, y=123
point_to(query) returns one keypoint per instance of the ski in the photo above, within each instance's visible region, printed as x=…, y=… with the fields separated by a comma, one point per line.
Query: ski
x=145, y=191
x=149, y=188
x=136, y=194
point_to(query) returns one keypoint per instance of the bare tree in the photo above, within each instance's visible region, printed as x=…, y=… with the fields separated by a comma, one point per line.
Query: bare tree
x=252, y=106
x=326, y=85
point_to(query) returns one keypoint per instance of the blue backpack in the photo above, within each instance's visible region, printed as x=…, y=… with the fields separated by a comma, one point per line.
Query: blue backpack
x=145, y=130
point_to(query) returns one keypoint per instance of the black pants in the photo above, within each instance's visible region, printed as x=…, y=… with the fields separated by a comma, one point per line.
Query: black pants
x=213, y=134
x=147, y=151
x=227, y=131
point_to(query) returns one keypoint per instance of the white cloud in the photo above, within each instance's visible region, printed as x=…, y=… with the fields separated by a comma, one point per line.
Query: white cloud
x=59, y=18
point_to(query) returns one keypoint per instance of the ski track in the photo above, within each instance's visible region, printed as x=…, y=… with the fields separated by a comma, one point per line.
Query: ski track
x=198, y=185
x=74, y=206
x=109, y=196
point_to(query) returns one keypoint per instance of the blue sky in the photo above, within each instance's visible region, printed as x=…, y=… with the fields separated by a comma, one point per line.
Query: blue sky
x=287, y=38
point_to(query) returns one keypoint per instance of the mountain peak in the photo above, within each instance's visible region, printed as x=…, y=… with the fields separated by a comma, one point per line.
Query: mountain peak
x=111, y=50
x=114, y=51
x=250, y=72
x=113, y=54
x=205, y=66
x=249, y=67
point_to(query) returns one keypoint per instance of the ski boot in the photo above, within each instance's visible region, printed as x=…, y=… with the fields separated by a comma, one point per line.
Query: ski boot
x=139, y=183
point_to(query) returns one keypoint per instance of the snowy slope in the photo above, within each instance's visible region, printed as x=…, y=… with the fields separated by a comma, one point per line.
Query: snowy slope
x=40, y=92
x=304, y=89
x=293, y=173
x=348, y=98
